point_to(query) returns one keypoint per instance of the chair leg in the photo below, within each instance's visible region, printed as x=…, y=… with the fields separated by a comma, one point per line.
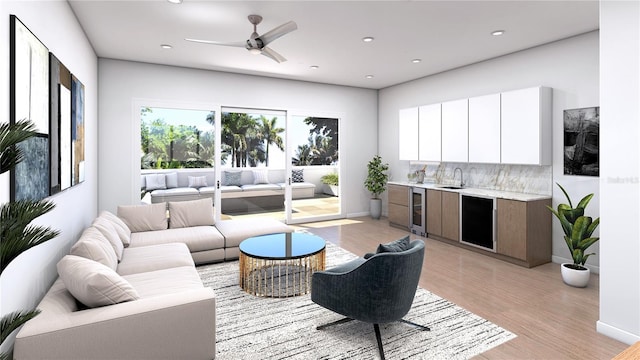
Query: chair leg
x=421, y=327
x=337, y=322
x=379, y=338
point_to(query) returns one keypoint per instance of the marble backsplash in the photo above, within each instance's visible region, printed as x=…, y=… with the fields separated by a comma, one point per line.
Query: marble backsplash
x=517, y=178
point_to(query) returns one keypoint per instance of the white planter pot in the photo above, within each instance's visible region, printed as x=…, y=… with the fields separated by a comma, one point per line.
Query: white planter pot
x=576, y=278
x=330, y=189
x=376, y=208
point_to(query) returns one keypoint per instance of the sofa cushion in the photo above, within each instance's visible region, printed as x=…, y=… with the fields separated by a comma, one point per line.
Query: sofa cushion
x=94, y=284
x=260, y=176
x=197, y=181
x=144, y=217
x=94, y=246
x=165, y=281
x=155, y=181
x=108, y=230
x=171, y=180
x=197, y=238
x=258, y=187
x=232, y=177
x=235, y=231
x=230, y=188
x=297, y=176
x=121, y=228
x=154, y=257
x=191, y=213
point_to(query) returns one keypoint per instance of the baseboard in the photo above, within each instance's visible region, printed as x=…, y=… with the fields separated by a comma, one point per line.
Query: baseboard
x=615, y=333
x=359, y=214
x=561, y=260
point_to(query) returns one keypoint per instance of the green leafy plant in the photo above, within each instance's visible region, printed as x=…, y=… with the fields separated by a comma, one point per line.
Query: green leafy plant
x=577, y=228
x=15, y=216
x=330, y=179
x=376, y=182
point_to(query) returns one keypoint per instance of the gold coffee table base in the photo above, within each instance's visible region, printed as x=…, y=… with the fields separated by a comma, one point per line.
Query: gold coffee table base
x=279, y=277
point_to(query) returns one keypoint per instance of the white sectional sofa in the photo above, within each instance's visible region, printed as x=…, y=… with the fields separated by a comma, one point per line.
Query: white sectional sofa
x=193, y=184
x=129, y=288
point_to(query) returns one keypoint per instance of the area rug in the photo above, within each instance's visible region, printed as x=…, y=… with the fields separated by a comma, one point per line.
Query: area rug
x=250, y=327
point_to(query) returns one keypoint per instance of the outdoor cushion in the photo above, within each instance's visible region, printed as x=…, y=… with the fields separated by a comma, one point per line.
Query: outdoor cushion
x=197, y=181
x=260, y=176
x=258, y=187
x=231, y=177
x=155, y=181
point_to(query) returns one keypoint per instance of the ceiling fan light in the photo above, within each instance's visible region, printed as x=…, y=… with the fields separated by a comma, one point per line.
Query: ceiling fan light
x=255, y=51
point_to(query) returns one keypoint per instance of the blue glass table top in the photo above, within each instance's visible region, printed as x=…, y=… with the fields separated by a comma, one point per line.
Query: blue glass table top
x=282, y=246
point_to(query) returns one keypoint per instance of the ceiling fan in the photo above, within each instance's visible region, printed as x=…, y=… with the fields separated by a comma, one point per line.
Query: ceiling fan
x=257, y=44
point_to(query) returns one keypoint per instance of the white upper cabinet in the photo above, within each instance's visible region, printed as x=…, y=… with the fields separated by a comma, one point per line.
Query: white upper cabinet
x=484, y=129
x=526, y=127
x=430, y=129
x=455, y=131
x=408, y=134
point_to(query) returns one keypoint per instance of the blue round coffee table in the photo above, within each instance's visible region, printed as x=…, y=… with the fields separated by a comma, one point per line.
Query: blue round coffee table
x=280, y=265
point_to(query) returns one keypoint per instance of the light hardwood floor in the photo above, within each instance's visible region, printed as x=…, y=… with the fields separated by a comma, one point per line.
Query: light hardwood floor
x=551, y=320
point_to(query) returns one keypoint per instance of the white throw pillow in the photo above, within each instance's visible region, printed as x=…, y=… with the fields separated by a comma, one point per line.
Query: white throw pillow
x=155, y=182
x=191, y=213
x=197, y=181
x=260, y=176
x=121, y=228
x=94, y=246
x=172, y=180
x=109, y=231
x=144, y=217
x=94, y=284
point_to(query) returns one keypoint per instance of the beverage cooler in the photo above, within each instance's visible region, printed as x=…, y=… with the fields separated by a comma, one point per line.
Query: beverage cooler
x=418, y=211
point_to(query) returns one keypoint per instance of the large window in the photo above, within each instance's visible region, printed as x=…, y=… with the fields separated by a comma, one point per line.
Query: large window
x=176, y=138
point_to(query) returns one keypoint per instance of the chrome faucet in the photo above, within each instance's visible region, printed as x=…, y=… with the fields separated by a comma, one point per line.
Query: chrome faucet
x=454, y=176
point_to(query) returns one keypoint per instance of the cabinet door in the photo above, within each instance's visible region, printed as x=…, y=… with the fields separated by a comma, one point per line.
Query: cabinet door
x=430, y=128
x=526, y=126
x=450, y=215
x=512, y=228
x=484, y=129
x=408, y=134
x=455, y=131
x=398, y=194
x=434, y=212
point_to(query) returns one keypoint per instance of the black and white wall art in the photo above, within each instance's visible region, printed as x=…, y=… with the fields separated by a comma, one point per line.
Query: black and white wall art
x=582, y=141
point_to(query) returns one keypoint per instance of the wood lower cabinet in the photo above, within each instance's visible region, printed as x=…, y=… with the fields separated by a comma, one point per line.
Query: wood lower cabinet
x=524, y=230
x=443, y=215
x=398, y=205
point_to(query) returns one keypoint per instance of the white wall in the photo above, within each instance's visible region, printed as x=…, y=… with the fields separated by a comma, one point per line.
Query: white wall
x=124, y=83
x=620, y=170
x=569, y=66
x=28, y=277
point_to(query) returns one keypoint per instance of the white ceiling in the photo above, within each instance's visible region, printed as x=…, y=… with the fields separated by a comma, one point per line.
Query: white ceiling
x=444, y=34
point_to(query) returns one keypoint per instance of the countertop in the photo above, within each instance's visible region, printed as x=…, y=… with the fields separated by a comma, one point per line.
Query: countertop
x=510, y=195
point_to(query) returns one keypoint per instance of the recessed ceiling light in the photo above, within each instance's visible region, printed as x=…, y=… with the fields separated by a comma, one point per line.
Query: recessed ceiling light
x=314, y=67
x=175, y=1
x=497, y=32
x=367, y=39
x=369, y=76
x=415, y=61
x=166, y=46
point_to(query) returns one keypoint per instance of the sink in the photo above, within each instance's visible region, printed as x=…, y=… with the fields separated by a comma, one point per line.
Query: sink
x=457, y=187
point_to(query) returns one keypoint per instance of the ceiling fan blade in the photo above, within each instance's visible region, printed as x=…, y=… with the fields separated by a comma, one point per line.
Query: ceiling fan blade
x=210, y=42
x=277, y=32
x=273, y=55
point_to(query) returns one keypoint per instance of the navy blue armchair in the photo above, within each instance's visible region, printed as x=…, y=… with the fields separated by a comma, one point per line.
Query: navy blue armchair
x=377, y=289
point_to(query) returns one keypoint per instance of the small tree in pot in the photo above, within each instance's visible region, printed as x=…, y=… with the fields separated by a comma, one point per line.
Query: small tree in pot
x=376, y=183
x=578, y=229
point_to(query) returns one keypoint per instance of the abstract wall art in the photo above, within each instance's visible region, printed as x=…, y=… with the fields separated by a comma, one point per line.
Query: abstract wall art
x=29, y=99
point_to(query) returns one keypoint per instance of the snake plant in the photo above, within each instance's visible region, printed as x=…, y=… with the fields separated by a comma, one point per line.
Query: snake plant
x=577, y=227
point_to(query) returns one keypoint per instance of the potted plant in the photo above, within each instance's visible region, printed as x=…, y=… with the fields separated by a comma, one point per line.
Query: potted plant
x=15, y=217
x=376, y=184
x=330, y=182
x=578, y=229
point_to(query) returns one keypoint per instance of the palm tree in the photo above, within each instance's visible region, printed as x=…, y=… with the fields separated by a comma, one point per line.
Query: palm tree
x=15, y=216
x=235, y=127
x=271, y=135
x=303, y=156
